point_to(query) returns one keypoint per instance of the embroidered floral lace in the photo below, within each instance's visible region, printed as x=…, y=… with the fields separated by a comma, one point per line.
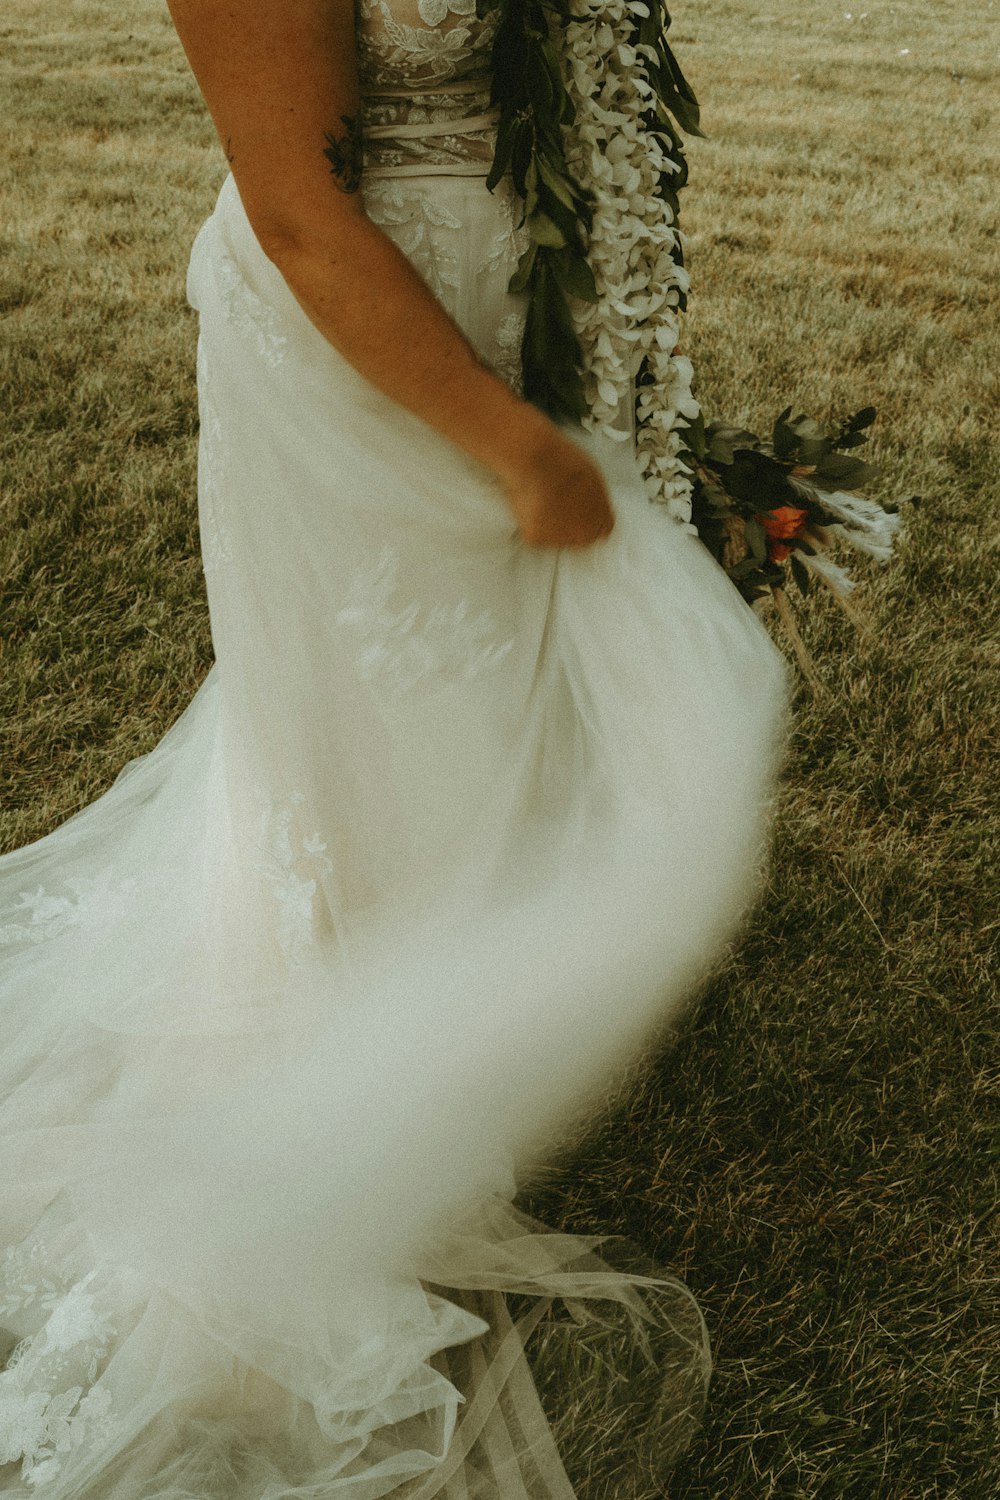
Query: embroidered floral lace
x=425, y=82
x=51, y=1402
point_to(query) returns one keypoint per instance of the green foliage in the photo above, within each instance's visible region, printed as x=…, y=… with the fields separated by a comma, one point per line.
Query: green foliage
x=535, y=108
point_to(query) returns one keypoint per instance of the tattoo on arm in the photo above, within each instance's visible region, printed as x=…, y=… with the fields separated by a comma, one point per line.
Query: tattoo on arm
x=344, y=153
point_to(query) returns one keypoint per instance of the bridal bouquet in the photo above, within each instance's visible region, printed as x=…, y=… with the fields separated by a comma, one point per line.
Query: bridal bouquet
x=764, y=506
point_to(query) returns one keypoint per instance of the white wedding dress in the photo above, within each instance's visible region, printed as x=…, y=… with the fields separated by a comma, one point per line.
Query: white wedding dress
x=448, y=832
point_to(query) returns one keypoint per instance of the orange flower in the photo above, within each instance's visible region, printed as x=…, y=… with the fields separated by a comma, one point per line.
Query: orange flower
x=782, y=525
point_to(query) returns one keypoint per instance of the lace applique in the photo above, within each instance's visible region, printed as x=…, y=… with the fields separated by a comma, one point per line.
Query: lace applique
x=47, y=916
x=256, y=319
x=34, y=1426
x=39, y=1426
x=216, y=537
x=509, y=336
x=294, y=866
x=401, y=645
x=511, y=238
x=44, y=1412
x=26, y=1279
x=433, y=12
x=44, y=916
x=394, y=53
x=410, y=217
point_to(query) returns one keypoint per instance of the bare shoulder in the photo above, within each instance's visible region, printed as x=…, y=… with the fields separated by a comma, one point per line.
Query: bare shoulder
x=280, y=80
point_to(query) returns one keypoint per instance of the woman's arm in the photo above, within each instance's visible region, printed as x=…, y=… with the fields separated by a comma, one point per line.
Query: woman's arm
x=279, y=78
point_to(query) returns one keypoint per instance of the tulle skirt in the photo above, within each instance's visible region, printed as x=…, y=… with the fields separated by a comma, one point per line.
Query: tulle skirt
x=447, y=835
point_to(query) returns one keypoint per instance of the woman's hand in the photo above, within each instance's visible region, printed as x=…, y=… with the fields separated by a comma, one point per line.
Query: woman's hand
x=558, y=496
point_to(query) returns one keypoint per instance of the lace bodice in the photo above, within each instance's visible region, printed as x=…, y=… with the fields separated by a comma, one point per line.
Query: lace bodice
x=425, y=82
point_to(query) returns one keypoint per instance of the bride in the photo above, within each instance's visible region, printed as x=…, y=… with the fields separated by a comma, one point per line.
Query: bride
x=470, y=800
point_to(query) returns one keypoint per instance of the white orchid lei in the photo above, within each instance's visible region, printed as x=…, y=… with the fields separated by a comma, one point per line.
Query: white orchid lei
x=635, y=244
x=605, y=267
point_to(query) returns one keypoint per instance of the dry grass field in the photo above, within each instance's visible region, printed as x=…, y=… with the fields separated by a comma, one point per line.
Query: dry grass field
x=818, y=1153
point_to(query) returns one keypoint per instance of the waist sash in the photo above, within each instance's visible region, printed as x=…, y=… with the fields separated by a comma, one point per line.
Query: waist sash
x=429, y=129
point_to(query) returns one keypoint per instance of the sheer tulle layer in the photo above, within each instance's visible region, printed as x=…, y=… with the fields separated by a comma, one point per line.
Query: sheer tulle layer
x=143, y=1401
x=446, y=836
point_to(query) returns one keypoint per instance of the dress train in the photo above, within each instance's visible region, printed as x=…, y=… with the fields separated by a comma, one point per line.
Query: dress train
x=444, y=839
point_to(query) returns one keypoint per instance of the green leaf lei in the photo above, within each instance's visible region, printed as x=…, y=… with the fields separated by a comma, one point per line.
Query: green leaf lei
x=534, y=108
